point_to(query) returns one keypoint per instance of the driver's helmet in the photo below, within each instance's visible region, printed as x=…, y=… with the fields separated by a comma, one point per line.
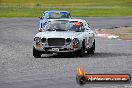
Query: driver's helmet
x=77, y=26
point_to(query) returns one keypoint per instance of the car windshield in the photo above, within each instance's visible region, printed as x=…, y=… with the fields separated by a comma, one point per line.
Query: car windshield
x=64, y=26
x=57, y=15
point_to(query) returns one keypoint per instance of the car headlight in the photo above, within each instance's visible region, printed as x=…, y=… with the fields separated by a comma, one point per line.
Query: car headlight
x=43, y=40
x=37, y=40
x=75, y=41
x=68, y=40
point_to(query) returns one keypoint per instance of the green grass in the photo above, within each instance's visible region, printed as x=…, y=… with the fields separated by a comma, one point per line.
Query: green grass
x=71, y=2
x=35, y=8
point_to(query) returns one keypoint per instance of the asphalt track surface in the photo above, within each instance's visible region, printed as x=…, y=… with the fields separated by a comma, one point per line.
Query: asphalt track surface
x=19, y=69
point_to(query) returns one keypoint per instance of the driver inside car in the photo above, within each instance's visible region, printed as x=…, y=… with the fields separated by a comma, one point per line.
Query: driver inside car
x=77, y=26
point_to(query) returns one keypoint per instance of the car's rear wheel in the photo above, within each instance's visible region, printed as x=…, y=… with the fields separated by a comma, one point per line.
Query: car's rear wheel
x=36, y=53
x=92, y=49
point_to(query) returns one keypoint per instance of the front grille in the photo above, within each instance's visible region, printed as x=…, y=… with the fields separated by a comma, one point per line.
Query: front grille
x=56, y=41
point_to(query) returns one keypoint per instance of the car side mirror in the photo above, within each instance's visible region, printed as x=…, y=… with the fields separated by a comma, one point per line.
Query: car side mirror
x=40, y=17
x=86, y=29
x=83, y=29
x=39, y=30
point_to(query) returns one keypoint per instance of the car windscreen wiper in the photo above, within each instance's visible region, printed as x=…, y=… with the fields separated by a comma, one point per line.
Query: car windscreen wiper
x=51, y=30
x=60, y=30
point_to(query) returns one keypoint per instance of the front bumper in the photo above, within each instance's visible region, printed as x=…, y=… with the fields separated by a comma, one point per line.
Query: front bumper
x=46, y=48
x=57, y=49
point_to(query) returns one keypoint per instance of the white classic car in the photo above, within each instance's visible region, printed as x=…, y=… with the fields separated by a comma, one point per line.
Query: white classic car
x=64, y=35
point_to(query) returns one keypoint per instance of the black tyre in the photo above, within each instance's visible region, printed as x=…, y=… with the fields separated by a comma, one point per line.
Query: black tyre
x=36, y=53
x=81, y=52
x=92, y=49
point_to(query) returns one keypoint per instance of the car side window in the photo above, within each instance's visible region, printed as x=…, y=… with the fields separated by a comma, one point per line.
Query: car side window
x=85, y=26
x=46, y=15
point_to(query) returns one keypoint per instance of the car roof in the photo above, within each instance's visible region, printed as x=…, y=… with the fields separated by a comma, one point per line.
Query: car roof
x=56, y=11
x=80, y=20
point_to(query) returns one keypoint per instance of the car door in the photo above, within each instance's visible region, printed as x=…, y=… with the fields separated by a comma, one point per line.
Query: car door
x=89, y=35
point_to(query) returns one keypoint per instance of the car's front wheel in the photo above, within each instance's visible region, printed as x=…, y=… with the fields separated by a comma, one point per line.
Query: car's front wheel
x=36, y=53
x=92, y=49
x=81, y=52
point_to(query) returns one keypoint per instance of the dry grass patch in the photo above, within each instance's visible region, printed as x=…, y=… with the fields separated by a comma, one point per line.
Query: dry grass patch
x=124, y=33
